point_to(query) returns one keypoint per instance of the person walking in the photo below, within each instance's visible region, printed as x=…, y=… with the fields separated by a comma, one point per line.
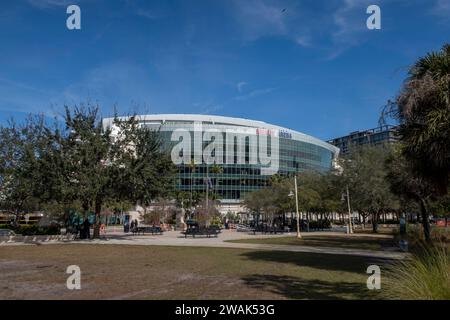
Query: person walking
x=87, y=230
x=132, y=226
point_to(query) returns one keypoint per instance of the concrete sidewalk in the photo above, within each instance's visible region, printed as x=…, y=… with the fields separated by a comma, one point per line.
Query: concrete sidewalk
x=176, y=238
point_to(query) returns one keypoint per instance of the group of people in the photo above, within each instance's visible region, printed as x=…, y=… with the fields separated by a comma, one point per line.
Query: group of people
x=85, y=229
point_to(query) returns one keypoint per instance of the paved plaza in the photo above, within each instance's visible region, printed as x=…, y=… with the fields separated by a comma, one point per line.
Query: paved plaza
x=115, y=236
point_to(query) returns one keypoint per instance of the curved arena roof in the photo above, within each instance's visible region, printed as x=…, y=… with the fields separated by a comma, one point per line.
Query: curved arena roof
x=228, y=121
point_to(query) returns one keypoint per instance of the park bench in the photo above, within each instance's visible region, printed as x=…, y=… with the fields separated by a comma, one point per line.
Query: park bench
x=153, y=230
x=202, y=231
x=268, y=229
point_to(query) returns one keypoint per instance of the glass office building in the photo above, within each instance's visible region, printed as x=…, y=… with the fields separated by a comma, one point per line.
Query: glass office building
x=233, y=156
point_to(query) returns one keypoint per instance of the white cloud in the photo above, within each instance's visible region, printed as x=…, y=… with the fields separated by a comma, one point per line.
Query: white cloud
x=240, y=86
x=303, y=40
x=350, y=24
x=45, y=4
x=211, y=109
x=337, y=27
x=259, y=18
x=349, y=19
x=441, y=8
x=147, y=14
x=120, y=82
x=254, y=93
x=22, y=97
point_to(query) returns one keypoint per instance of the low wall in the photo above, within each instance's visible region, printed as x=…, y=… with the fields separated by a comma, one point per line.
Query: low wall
x=35, y=239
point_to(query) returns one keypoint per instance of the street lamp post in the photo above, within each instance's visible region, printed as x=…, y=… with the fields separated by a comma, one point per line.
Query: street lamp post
x=299, y=236
x=340, y=170
x=296, y=208
x=350, y=227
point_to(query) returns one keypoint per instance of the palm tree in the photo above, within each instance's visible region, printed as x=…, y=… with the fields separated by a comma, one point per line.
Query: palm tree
x=405, y=183
x=192, y=166
x=216, y=170
x=423, y=109
x=421, y=169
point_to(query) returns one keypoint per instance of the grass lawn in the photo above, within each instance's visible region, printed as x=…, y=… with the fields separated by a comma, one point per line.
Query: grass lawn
x=156, y=272
x=368, y=243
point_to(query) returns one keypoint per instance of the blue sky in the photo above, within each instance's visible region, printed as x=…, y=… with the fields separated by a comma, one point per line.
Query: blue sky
x=309, y=65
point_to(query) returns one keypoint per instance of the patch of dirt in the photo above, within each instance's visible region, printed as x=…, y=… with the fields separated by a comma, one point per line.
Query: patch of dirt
x=156, y=272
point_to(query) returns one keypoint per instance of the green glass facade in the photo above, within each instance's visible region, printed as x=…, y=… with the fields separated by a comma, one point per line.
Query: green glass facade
x=238, y=173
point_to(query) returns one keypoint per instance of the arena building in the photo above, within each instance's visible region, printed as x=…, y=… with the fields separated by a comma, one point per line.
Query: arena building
x=233, y=156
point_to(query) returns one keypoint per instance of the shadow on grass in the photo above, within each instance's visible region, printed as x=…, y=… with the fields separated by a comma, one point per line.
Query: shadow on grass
x=321, y=241
x=297, y=288
x=293, y=287
x=330, y=262
x=353, y=242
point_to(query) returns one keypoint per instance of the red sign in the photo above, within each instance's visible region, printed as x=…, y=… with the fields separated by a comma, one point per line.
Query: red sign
x=441, y=223
x=266, y=132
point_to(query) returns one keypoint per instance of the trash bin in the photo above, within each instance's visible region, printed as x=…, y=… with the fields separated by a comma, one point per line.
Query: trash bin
x=402, y=225
x=403, y=244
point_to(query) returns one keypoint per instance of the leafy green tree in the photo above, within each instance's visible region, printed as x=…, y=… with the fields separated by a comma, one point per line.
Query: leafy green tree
x=162, y=211
x=319, y=193
x=309, y=198
x=143, y=171
x=441, y=207
x=82, y=164
x=365, y=174
x=263, y=203
x=316, y=194
x=85, y=158
x=253, y=202
x=206, y=212
x=21, y=146
x=405, y=183
x=187, y=200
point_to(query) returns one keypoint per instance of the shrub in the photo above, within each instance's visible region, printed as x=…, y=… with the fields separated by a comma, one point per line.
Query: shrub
x=320, y=224
x=172, y=221
x=216, y=221
x=28, y=230
x=426, y=276
x=50, y=230
x=416, y=237
x=33, y=229
x=390, y=221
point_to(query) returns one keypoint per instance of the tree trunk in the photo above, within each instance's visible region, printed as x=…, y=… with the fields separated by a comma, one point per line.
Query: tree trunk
x=85, y=207
x=98, y=208
x=375, y=222
x=425, y=222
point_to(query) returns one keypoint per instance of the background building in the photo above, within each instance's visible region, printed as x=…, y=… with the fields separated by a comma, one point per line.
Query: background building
x=230, y=182
x=376, y=136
